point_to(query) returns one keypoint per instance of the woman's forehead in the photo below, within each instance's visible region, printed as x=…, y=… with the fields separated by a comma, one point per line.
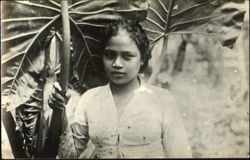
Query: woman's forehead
x=122, y=42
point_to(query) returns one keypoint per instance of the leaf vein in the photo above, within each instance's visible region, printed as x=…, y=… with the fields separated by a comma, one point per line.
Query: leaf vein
x=192, y=7
x=152, y=31
x=85, y=42
x=163, y=6
x=25, y=19
x=158, y=15
x=38, y=5
x=155, y=23
x=195, y=20
x=26, y=52
x=19, y=36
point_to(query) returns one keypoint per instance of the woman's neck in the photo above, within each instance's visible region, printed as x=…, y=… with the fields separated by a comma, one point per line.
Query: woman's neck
x=127, y=88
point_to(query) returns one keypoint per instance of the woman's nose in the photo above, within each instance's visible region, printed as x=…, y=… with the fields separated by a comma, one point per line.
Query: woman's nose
x=117, y=63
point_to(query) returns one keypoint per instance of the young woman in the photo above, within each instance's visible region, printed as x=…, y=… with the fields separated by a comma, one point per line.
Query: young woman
x=126, y=118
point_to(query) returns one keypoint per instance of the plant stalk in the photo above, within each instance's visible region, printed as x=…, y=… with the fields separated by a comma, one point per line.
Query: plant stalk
x=155, y=73
x=54, y=132
x=65, y=60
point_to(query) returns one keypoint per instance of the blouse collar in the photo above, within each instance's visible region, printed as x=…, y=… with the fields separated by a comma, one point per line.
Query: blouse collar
x=142, y=86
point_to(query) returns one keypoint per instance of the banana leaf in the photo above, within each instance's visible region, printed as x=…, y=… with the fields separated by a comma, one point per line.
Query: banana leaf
x=218, y=19
x=31, y=47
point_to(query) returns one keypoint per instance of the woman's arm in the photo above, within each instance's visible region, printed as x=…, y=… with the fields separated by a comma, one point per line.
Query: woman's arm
x=73, y=141
x=175, y=139
x=73, y=137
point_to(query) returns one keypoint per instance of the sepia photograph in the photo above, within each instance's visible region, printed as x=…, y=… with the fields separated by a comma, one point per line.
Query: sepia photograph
x=94, y=79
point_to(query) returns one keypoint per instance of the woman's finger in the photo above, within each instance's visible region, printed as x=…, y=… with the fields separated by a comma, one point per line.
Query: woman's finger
x=55, y=104
x=58, y=97
x=67, y=97
x=58, y=88
x=51, y=104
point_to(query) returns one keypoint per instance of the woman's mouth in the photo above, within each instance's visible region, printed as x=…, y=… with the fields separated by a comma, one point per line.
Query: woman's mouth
x=117, y=73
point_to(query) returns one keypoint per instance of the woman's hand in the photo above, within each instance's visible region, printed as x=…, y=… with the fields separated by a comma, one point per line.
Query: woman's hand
x=57, y=100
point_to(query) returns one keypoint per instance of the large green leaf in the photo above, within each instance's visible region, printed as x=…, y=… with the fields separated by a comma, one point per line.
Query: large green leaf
x=219, y=19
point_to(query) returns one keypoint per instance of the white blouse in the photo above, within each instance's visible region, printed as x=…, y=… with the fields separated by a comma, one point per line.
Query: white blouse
x=149, y=127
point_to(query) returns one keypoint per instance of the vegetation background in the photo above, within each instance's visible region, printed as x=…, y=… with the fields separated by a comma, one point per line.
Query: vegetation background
x=210, y=83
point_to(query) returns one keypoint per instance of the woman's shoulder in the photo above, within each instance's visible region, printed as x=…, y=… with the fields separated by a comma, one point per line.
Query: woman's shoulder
x=158, y=91
x=165, y=98
x=161, y=95
x=87, y=97
x=91, y=93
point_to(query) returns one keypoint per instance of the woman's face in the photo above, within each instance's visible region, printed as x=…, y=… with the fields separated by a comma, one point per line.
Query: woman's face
x=121, y=58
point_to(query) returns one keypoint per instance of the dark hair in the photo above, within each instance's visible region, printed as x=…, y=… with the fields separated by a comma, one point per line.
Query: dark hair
x=137, y=34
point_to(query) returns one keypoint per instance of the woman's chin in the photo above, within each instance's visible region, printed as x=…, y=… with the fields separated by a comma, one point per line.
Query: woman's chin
x=122, y=81
x=118, y=81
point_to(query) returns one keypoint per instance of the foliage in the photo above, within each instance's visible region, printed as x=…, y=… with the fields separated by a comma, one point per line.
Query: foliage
x=27, y=25
x=31, y=45
x=216, y=18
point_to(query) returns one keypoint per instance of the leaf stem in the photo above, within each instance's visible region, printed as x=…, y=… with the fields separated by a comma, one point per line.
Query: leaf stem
x=160, y=58
x=169, y=16
x=64, y=76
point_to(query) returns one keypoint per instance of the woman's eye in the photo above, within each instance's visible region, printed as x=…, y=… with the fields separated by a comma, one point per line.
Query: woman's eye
x=109, y=55
x=127, y=56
